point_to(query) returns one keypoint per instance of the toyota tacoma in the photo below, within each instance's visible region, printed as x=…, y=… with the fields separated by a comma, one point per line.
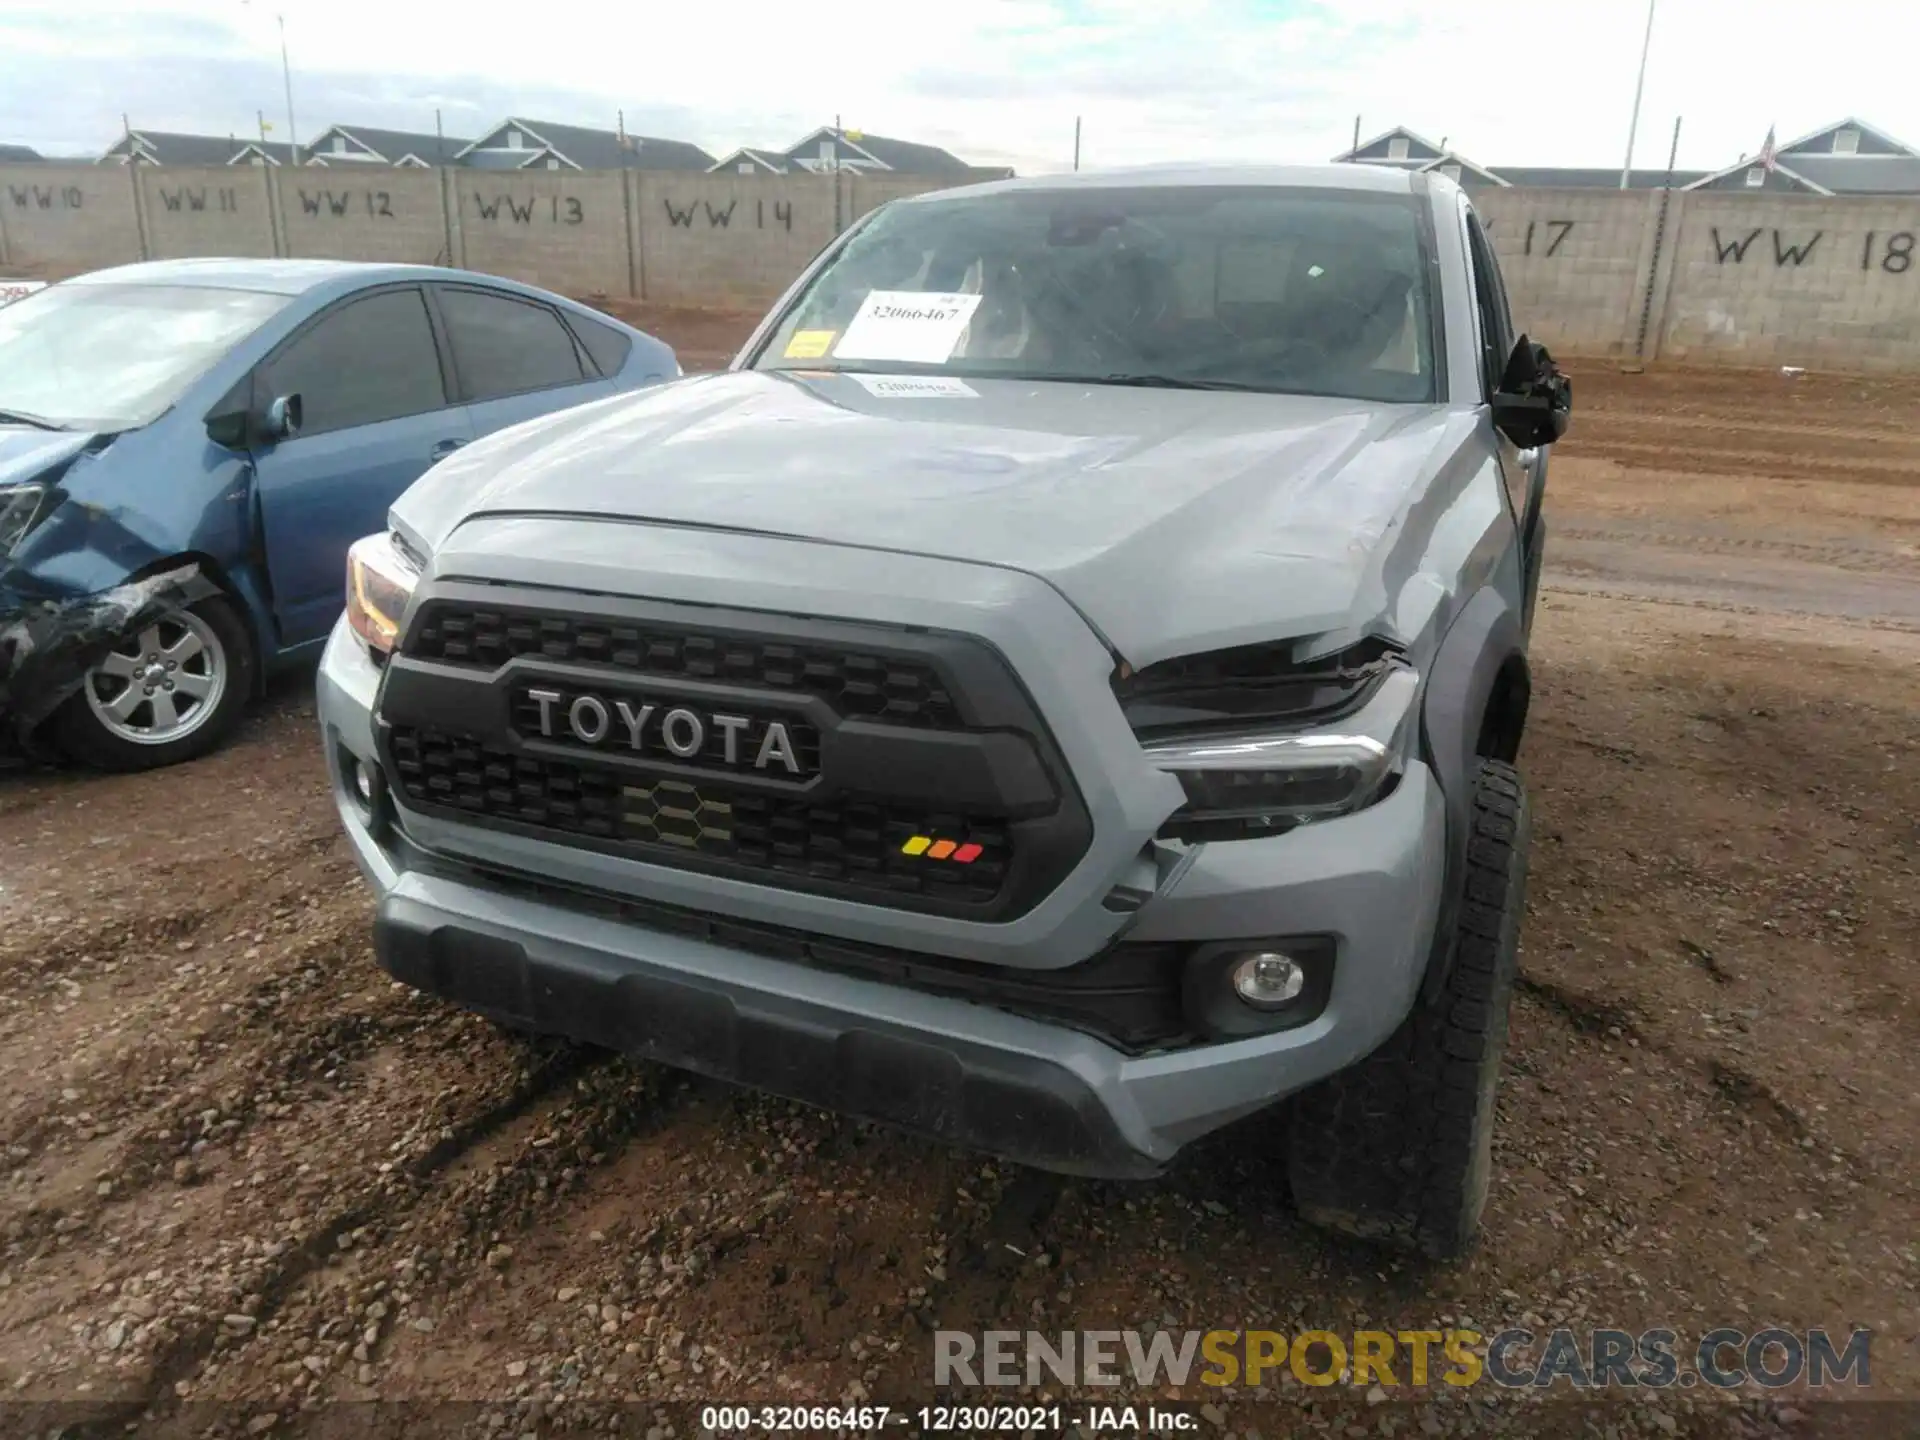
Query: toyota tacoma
x=1058, y=690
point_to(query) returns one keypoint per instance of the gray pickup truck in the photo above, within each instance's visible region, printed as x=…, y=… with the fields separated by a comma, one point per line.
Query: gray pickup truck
x=1057, y=690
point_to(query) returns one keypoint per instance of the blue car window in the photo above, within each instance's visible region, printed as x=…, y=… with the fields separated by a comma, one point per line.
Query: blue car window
x=503, y=346
x=608, y=346
x=369, y=360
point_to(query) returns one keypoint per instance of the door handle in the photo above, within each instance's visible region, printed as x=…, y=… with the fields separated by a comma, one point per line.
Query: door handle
x=446, y=448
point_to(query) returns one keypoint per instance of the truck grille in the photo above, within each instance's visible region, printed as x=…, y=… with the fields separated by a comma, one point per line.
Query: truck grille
x=868, y=686
x=853, y=842
x=876, y=763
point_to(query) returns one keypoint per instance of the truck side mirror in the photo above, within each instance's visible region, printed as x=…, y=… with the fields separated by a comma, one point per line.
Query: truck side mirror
x=1534, y=399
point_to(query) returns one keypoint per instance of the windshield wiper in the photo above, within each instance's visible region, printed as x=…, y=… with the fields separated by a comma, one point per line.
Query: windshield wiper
x=1159, y=382
x=20, y=417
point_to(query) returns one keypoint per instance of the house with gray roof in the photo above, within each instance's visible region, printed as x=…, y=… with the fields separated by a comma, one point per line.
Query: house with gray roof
x=1848, y=157
x=167, y=147
x=748, y=161
x=369, y=145
x=264, y=152
x=20, y=155
x=517, y=144
x=1399, y=148
x=828, y=150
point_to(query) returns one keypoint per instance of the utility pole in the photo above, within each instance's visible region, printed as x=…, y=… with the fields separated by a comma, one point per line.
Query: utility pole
x=286, y=77
x=1076, y=142
x=1659, y=243
x=1639, y=85
x=1356, y=132
x=839, y=222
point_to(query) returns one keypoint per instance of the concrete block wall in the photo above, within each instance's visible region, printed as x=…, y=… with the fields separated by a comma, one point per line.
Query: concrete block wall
x=342, y=213
x=61, y=219
x=565, y=230
x=222, y=210
x=870, y=193
x=1714, y=276
x=1573, y=262
x=1796, y=280
x=731, y=240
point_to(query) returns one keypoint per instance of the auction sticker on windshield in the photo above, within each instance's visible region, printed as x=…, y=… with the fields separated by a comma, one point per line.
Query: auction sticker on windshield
x=916, y=387
x=12, y=290
x=809, y=344
x=906, y=325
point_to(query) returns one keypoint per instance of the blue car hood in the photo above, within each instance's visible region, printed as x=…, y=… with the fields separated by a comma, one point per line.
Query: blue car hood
x=27, y=453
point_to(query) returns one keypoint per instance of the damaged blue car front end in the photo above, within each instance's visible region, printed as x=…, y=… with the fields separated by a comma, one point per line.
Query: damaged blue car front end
x=80, y=567
x=188, y=449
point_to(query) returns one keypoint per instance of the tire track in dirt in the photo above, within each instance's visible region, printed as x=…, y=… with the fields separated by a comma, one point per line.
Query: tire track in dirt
x=179, y=1361
x=1872, y=559
x=1790, y=465
x=1606, y=422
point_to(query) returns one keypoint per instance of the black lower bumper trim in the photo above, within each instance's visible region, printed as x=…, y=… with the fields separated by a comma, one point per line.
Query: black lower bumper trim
x=1021, y=1108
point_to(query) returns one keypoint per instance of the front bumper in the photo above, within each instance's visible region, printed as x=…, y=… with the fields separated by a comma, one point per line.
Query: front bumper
x=966, y=1072
x=48, y=643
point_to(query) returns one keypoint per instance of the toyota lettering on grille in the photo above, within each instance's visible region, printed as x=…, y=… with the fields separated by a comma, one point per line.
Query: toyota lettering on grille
x=741, y=741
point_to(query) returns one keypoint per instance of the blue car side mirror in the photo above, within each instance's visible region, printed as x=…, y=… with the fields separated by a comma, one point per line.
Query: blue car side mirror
x=283, y=418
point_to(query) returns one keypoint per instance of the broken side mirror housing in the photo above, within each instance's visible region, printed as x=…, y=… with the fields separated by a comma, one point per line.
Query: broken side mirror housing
x=228, y=428
x=231, y=422
x=282, y=420
x=1534, y=399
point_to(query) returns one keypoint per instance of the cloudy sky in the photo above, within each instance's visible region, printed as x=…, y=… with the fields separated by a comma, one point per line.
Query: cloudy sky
x=998, y=81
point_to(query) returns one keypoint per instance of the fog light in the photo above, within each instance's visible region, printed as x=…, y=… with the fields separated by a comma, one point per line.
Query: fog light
x=363, y=784
x=1267, y=980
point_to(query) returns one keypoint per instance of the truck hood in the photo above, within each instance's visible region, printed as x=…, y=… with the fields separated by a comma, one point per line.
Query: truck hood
x=1175, y=520
x=27, y=452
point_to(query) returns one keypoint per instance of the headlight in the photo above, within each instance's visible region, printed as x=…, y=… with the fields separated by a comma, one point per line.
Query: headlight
x=380, y=581
x=1240, y=787
x=1250, y=689
x=19, y=508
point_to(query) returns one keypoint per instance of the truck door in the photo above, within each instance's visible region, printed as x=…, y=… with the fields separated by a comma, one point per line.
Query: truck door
x=1523, y=472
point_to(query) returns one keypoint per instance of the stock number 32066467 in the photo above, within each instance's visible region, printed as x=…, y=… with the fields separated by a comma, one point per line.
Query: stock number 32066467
x=791, y=1419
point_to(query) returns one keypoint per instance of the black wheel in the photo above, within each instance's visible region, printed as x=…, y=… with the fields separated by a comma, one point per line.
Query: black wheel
x=172, y=692
x=1399, y=1148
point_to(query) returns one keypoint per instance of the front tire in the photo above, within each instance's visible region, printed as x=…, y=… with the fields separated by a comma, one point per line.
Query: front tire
x=172, y=692
x=1399, y=1148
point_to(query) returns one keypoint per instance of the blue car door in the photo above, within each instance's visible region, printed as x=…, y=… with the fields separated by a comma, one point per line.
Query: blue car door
x=513, y=358
x=376, y=411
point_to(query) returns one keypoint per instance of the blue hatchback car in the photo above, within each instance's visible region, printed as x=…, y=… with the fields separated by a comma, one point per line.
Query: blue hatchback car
x=240, y=422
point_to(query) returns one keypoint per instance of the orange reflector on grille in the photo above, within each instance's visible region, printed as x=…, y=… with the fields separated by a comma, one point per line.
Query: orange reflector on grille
x=932, y=849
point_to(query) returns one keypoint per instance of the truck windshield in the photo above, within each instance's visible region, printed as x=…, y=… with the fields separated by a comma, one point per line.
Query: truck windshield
x=112, y=357
x=1305, y=291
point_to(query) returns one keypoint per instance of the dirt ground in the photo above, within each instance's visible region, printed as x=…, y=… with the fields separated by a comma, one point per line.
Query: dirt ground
x=244, y=1174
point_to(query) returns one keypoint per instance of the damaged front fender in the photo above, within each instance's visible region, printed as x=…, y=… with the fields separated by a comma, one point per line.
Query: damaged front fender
x=48, y=644
x=101, y=557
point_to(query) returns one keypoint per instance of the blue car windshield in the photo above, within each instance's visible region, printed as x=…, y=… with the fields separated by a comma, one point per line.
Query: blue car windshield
x=113, y=357
x=1272, y=288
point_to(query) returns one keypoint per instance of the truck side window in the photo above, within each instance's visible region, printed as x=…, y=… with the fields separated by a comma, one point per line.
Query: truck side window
x=1489, y=295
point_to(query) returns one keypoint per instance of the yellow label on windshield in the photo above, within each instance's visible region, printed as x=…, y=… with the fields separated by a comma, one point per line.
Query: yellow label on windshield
x=809, y=344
